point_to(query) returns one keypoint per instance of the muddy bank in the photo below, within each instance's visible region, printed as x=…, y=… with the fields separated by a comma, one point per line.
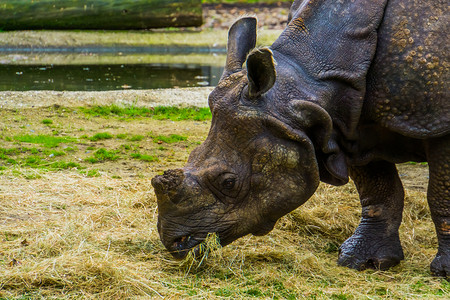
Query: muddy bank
x=165, y=97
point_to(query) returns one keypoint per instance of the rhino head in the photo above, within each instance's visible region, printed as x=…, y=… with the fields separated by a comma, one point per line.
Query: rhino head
x=267, y=149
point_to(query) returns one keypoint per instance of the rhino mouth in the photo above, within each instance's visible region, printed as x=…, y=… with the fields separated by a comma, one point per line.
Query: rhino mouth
x=181, y=246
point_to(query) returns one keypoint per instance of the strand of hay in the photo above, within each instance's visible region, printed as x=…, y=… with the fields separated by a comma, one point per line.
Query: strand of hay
x=209, y=248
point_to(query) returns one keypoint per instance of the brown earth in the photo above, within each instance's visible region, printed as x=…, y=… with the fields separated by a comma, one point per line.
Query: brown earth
x=222, y=16
x=167, y=97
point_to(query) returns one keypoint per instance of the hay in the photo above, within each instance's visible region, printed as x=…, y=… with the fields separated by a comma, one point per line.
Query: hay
x=65, y=235
x=209, y=248
x=96, y=238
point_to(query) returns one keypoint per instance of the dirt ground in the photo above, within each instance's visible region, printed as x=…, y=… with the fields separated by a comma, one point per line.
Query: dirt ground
x=222, y=16
x=162, y=97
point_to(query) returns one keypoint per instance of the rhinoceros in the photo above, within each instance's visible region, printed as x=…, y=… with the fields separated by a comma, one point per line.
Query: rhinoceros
x=349, y=89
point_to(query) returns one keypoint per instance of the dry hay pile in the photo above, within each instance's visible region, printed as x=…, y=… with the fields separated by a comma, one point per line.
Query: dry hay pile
x=68, y=236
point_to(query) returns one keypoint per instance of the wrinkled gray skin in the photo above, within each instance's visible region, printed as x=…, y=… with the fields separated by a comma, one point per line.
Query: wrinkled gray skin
x=348, y=89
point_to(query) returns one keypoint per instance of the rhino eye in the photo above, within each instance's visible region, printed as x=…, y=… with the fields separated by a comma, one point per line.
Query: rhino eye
x=225, y=186
x=229, y=183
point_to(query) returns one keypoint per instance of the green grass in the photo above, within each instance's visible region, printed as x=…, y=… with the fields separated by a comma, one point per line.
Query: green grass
x=26, y=150
x=91, y=173
x=62, y=165
x=168, y=139
x=39, y=162
x=101, y=136
x=34, y=158
x=44, y=140
x=158, y=113
x=144, y=157
x=54, y=153
x=47, y=121
x=125, y=147
x=70, y=149
x=136, y=138
x=102, y=155
x=33, y=161
x=4, y=152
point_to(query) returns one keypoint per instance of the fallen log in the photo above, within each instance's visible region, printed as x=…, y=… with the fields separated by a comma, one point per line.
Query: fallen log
x=99, y=14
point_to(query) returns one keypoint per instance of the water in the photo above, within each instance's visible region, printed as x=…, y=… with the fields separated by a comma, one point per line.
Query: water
x=104, y=77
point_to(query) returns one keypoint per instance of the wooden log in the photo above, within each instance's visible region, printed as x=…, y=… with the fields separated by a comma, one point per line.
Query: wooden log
x=98, y=14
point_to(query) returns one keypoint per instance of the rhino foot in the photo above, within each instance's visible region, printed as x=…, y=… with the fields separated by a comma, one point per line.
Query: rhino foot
x=440, y=266
x=362, y=252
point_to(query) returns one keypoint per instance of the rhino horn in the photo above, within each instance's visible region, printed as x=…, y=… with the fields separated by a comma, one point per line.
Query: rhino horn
x=166, y=186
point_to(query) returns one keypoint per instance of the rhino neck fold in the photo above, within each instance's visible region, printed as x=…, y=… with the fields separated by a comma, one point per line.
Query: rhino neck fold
x=334, y=45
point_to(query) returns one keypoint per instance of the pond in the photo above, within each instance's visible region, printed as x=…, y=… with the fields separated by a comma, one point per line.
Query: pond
x=107, y=72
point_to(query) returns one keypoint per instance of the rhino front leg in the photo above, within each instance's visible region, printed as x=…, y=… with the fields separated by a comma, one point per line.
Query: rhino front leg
x=438, y=154
x=376, y=243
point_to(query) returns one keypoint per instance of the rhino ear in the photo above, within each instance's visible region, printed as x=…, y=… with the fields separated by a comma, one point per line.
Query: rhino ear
x=317, y=124
x=241, y=40
x=261, y=72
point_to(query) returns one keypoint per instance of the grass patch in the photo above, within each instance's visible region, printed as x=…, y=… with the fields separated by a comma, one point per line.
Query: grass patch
x=101, y=136
x=144, y=157
x=37, y=162
x=47, y=122
x=102, y=155
x=8, y=160
x=136, y=138
x=36, y=158
x=33, y=161
x=62, y=165
x=8, y=152
x=169, y=139
x=44, y=140
x=71, y=149
x=91, y=173
x=125, y=147
x=54, y=153
x=158, y=113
